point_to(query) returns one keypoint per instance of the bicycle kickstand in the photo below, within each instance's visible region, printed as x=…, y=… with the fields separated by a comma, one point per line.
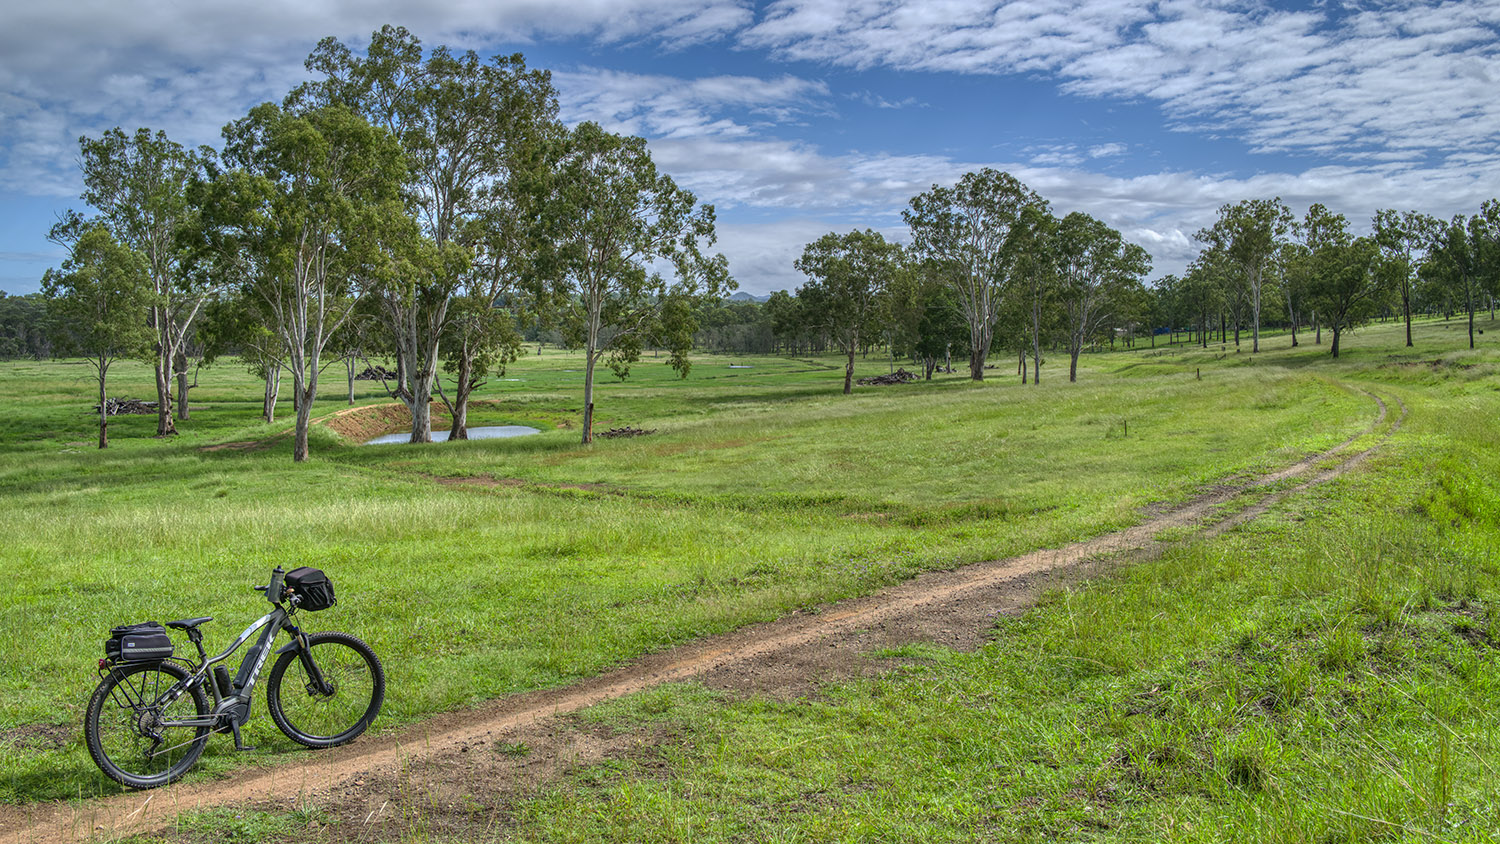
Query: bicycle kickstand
x=239, y=743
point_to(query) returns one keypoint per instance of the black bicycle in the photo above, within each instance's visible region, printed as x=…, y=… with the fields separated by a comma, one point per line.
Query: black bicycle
x=152, y=713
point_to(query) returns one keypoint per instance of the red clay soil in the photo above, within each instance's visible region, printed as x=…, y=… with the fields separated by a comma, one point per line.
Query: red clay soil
x=358, y=424
x=461, y=771
x=361, y=424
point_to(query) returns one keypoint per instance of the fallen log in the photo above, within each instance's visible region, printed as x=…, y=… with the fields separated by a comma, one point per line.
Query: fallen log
x=626, y=431
x=127, y=406
x=375, y=373
x=900, y=376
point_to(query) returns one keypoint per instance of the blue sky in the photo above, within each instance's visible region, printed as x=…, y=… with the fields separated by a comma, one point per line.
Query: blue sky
x=799, y=117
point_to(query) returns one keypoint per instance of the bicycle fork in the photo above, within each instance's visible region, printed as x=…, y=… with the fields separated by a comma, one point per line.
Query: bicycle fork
x=316, y=684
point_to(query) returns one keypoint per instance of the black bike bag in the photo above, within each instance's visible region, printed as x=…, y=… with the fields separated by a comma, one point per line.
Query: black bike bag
x=313, y=586
x=147, y=641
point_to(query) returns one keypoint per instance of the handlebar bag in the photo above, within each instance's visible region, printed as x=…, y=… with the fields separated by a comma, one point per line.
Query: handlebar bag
x=313, y=586
x=147, y=641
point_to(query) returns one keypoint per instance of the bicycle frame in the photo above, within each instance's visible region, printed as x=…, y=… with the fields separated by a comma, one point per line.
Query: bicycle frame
x=233, y=710
x=244, y=681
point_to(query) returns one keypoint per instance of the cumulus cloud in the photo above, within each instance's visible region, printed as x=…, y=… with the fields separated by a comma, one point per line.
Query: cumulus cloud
x=750, y=178
x=1397, y=96
x=1326, y=80
x=676, y=108
x=83, y=66
x=874, y=100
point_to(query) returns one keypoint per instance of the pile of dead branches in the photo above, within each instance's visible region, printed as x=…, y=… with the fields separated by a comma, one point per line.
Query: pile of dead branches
x=626, y=431
x=375, y=373
x=117, y=407
x=900, y=376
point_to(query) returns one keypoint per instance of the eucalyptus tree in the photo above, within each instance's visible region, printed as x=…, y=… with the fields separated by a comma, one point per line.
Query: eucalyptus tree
x=465, y=124
x=1134, y=308
x=1235, y=306
x=1404, y=238
x=482, y=336
x=1161, y=307
x=97, y=303
x=613, y=224
x=1346, y=276
x=138, y=183
x=972, y=227
x=311, y=210
x=482, y=340
x=848, y=276
x=921, y=315
x=1036, y=283
x=1202, y=289
x=1096, y=268
x=941, y=329
x=1458, y=254
x=240, y=321
x=787, y=325
x=1285, y=265
x=1249, y=233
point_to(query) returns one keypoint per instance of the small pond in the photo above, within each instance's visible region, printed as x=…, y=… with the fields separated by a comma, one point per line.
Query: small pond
x=488, y=432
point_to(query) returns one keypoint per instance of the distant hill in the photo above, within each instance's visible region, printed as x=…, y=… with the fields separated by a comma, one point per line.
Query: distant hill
x=742, y=296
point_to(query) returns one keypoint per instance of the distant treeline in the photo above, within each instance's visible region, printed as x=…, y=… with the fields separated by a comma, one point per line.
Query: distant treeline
x=23, y=327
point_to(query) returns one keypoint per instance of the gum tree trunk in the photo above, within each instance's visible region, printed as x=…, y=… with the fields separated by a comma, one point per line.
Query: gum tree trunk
x=103, y=411
x=180, y=368
x=588, y=400
x=1255, y=278
x=1036, y=342
x=460, y=428
x=165, y=427
x=304, y=419
x=273, y=389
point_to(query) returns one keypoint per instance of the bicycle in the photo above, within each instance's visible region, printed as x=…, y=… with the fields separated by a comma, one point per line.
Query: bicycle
x=150, y=717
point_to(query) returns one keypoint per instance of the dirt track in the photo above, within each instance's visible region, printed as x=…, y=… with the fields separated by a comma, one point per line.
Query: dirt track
x=956, y=608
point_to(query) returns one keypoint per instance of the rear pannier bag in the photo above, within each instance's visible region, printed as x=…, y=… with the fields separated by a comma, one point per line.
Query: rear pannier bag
x=314, y=587
x=138, y=642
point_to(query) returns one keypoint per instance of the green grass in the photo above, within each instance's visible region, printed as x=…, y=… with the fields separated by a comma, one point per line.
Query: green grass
x=764, y=490
x=1325, y=674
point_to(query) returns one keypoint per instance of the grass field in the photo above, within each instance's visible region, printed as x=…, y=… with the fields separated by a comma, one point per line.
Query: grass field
x=1322, y=675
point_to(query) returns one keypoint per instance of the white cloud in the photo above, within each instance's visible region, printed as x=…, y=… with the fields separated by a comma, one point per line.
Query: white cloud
x=1399, y=96
x=874, y=100
x=1326, y=81
x=750, y=178
x=82, y=66
x=675, y=108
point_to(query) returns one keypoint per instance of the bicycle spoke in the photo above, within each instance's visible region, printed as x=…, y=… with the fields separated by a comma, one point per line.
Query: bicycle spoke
x=136, y=735
x=338, y=709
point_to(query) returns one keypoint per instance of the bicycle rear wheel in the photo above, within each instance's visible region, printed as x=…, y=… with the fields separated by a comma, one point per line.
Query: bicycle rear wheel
x=338, y=713
x=129, y=724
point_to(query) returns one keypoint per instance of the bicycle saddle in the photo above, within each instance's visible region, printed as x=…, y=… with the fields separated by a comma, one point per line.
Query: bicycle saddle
x=189, y=623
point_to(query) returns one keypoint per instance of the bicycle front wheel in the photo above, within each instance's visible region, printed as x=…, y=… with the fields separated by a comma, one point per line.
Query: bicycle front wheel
x=336, y=712
x=137, y=736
